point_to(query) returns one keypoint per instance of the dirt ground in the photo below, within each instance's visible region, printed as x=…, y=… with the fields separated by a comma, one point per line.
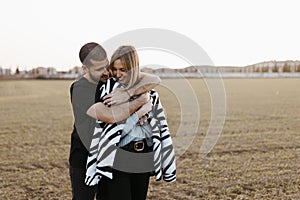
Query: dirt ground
x=257, y=155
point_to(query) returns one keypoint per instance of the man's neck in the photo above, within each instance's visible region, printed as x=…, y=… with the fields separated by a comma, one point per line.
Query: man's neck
x=88, y=78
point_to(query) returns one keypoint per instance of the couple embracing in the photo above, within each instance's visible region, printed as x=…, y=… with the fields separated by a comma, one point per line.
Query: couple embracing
x=120, y=136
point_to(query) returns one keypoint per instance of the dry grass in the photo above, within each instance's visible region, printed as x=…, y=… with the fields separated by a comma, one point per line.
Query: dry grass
x=256, y=157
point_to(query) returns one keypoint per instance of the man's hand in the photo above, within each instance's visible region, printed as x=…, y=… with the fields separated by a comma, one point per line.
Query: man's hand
x=117, y=96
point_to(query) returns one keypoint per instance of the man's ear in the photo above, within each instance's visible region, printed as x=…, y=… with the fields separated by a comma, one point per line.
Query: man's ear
x=85, y=68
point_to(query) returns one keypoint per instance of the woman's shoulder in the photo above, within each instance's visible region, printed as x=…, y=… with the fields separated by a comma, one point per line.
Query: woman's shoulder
x=155, y=97
x=153, y=92
x=110, y=82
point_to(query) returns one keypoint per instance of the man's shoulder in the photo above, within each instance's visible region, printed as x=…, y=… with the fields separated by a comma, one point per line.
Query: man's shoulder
x=77, y=82
x=82, y=82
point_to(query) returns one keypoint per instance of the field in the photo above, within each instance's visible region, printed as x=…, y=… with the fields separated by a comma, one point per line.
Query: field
x=256, y=157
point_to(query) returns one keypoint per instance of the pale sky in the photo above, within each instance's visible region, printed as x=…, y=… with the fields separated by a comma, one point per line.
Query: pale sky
x=233, y=33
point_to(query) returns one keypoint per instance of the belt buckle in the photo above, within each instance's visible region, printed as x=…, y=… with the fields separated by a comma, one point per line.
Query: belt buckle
x=139, y=146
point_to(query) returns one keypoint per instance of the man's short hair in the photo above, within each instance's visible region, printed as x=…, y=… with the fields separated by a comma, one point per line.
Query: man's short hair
x=92, y=51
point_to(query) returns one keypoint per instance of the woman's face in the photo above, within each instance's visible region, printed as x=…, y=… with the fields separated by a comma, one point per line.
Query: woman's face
x=120, y=72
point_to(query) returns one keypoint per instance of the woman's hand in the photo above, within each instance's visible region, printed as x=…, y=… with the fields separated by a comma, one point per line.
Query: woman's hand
x=144, y=109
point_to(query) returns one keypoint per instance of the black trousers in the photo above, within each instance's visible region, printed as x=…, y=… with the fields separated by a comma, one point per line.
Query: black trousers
x=128, y=185
x=124, y=186
x=80, y=191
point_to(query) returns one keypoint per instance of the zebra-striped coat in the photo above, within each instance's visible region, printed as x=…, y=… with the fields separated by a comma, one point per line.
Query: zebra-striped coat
x=107, y=136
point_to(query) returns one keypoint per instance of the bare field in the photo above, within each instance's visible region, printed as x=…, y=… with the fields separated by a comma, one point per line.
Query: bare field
x=256, y=157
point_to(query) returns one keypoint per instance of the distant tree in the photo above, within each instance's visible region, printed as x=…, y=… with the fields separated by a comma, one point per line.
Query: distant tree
x=17, y=70
x=298, y=68
x=275, y=68
x=265, y=69
x=286, y=68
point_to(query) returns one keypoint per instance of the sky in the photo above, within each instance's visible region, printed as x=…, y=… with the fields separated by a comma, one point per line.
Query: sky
x=232, y=33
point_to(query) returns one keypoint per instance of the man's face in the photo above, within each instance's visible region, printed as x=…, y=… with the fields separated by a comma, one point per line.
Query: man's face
x=98, y=70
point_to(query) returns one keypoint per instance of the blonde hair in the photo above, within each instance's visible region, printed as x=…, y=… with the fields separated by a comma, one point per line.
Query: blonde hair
x=130, y=60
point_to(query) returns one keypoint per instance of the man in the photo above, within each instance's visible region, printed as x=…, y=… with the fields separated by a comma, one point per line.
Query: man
x=94, y=63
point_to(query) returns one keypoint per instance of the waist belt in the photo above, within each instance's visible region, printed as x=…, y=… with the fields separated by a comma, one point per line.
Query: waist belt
x=137, y=146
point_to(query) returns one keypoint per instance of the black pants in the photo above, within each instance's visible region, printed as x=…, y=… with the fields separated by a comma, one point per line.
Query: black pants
x=128, y=185
x=80, y=191
x=124, y=186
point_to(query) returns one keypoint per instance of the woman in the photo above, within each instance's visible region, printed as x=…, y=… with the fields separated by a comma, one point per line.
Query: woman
x=119, y=153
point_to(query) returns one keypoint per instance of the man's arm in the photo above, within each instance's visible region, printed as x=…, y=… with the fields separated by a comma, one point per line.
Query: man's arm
x=118, y=112
x=145, y=83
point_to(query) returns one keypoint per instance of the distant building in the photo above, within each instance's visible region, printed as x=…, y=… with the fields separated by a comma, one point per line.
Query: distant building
x=51, y=71
x=42, y=72
x=5, y=71
x=273, y=68
x=77, y=70
x=148, y=70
